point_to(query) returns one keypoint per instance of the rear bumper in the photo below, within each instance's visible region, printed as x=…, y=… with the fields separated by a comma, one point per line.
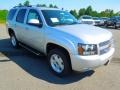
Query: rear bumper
x=84, y=63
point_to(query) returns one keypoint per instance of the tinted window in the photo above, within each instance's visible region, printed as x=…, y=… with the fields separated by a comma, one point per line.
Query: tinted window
x=117, y=17
x=33, y=14
x=57, y=17
x=11, y=14
x=21, y=15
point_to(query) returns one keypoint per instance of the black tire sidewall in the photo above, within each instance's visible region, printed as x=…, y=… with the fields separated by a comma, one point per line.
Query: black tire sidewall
x=115, y=26
x=17, y=44
x=106, y=25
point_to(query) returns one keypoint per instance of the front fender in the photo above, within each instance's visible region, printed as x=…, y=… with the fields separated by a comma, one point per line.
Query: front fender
x=68, y=44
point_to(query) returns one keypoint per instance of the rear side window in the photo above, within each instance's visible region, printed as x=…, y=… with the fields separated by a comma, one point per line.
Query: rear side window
x=21, y=15
x=11, y=14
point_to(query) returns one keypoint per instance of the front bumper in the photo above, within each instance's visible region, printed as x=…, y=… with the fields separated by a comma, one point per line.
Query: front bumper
x=118, y=24
x=99, y=24
x=85, y=63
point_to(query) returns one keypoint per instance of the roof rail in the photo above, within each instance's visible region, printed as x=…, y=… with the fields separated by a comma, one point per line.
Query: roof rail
x=22, y=6
x=28, y=6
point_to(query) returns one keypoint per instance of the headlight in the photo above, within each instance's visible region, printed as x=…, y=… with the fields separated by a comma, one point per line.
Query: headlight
x=87, y=49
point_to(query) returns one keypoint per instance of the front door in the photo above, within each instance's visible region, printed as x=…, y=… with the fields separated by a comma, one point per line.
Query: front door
x=34, y=33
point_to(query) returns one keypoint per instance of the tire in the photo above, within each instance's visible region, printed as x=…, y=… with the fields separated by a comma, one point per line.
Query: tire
x=106, y=25
x=115, y=27
x=59, y=62
x=14, y=41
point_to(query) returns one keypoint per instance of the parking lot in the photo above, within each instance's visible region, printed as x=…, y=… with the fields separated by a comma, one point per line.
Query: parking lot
x=22, y=70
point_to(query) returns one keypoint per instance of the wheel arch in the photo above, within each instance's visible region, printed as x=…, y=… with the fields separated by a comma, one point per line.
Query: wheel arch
x=10, y=31
x=51, y=46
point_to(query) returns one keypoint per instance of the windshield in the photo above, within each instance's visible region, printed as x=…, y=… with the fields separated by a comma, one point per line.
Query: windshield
x=58, y=17
x=95, y=18
x=87, y=17
x=104, y=18
x=118, y=18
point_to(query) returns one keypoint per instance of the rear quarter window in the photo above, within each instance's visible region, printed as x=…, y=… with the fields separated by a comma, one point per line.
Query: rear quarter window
x=11, y=14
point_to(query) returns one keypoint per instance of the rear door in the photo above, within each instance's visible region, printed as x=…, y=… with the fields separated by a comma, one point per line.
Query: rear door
x=20, y=25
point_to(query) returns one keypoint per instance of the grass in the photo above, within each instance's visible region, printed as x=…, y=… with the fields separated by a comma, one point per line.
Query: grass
x=3, y=14
x=2, y=21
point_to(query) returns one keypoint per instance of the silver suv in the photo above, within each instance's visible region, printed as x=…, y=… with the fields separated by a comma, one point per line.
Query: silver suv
x=68, y=44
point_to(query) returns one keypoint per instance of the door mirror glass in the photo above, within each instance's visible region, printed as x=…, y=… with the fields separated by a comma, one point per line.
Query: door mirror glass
x=34, y=22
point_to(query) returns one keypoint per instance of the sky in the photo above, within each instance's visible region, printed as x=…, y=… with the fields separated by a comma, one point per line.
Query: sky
x=98, y=5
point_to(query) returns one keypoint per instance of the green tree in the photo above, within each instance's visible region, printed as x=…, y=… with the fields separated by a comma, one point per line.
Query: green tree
x=55, y=6
x=26, y=3
x=41, y=5
x=81, y=12
x=20, y=4
x=95, y=14
x=74, y=13
x=117, y=14
x=51, y=6
x=107, y=13
x=111, y=13
x=88, y=10
x=38, y=5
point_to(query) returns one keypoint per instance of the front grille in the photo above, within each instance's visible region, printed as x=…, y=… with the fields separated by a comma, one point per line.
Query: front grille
x=87, y=22
x=105, y=46
x=104, y=43
x=97, y=22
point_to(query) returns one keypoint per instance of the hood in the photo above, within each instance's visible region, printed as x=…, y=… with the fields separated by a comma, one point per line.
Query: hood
x=87, y=20
x=97, y=20
x=88, y=33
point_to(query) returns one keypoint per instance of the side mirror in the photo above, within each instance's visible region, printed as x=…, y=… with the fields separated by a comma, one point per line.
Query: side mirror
x=35, y=22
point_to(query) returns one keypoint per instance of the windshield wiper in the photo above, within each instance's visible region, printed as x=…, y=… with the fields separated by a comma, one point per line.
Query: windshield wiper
x=60, y=24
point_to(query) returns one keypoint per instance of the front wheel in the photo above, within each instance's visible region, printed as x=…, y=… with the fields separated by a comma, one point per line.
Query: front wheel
x=59, y=62
x=106, y=25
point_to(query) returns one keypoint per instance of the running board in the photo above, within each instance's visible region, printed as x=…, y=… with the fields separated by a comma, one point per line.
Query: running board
x=31, y=49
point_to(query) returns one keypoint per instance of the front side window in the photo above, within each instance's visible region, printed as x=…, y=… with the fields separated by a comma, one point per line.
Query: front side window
x=11, y=14
x=21, y=16
x=33, y=15
x=58, y=17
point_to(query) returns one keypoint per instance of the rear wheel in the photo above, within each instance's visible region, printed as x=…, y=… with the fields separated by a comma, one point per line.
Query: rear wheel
x=14, y=41
x=59, y=62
